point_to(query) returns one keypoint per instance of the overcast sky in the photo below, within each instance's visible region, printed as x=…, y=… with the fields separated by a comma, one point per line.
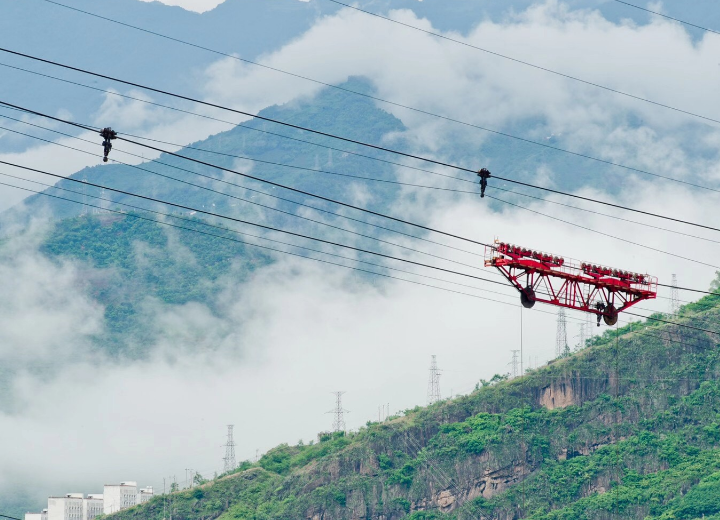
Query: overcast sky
x=298, y=331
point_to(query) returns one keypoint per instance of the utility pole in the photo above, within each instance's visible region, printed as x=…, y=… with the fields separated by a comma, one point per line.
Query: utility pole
x=433, y=395
x=561, y=344
x=229, y=459
x=338, y=413
x=674, y=297
x=515, y=364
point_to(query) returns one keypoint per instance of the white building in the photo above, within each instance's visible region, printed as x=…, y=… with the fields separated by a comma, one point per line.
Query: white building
x=144, y=495
x=119, y=496
x=92, y=506
x=69, y=507
x=37, y=516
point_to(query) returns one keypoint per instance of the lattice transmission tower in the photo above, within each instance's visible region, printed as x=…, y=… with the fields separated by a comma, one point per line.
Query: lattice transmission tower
x=338, y=413
x=515, y=364
x=229, y=463
x=674, y=297
x=433, y=382
x=561, y=342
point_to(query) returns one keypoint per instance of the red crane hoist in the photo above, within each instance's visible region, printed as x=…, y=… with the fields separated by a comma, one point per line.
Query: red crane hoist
x=583, y=286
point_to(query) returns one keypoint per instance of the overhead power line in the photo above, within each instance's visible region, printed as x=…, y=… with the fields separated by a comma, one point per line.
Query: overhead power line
x=359, y=177
x=302, y=236
x=407, y=166
x=207, y=164
x=226, y=229
x=665, y=16
x=271, y=208
x=370, y=145
x=327, y=199
x=224, y=237
x=415, y=109
x=522, y=62
x=320, y=222
x=247, y=222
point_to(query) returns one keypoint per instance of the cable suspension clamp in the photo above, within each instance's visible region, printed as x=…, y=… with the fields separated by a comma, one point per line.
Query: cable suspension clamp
x=108, y=134
x=484, y=175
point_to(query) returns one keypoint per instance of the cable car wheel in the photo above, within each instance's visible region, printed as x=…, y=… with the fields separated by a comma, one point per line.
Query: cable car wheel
x=610, y=316
x=527, y=297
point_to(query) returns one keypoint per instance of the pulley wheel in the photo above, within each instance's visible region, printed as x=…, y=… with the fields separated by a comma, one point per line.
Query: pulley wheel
x=527, y=297
x=610, y=316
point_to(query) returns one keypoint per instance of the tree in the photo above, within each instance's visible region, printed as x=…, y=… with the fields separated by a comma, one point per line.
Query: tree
x=715, y=285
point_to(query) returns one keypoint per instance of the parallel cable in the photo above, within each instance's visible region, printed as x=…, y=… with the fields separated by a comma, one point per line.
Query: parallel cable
x=205, y=188
x=152, y=199
x=538, y=67
x=222, y=228
x=256, y=178
x=258, y=245
x=664, y=16
x=413, y=185
x=255, y=224
x=236, y=125
x=325, y=134
x=688, y=289
x=237, y=185
x=603, y=233
x=327, y=199
x=415, y=109
x=359, y=177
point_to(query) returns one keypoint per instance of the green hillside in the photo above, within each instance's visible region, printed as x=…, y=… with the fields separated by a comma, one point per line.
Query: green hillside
x=629, y=427
x=129, y=261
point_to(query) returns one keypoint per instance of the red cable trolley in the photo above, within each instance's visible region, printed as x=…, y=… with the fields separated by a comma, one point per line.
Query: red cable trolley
x=583, y=286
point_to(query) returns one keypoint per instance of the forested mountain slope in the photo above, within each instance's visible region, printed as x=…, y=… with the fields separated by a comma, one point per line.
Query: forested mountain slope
x=628, y=427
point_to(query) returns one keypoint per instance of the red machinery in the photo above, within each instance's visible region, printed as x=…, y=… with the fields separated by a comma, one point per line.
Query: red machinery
x=552, y=279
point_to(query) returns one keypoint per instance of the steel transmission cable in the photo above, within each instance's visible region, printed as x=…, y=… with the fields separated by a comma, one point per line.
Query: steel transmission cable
x=414, y=109
x=222, y=193
x=152, y=199
x=242, y=233
x=235, y=124
x=223, y=237
x=475, y=192
x=604, y=234
x=205, y=188
x=256, y=178
x=385, y=181
x=326, y=134
x=665, y=16
x=330, y=225
x=550, y=190
x=401, y=246
x=538, y=67
x=255, y=224
x=312, y=220
x=241, y=126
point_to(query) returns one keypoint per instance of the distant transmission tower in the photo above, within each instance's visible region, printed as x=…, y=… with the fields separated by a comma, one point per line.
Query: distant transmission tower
x=674, y=297
x=561, y=344
x=229, y=459
x=433, y=382
x=582, y=337
x=515, y=364
x=338, y=413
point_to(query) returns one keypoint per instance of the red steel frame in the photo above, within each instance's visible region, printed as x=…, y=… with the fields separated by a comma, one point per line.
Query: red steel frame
x=565, y=283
